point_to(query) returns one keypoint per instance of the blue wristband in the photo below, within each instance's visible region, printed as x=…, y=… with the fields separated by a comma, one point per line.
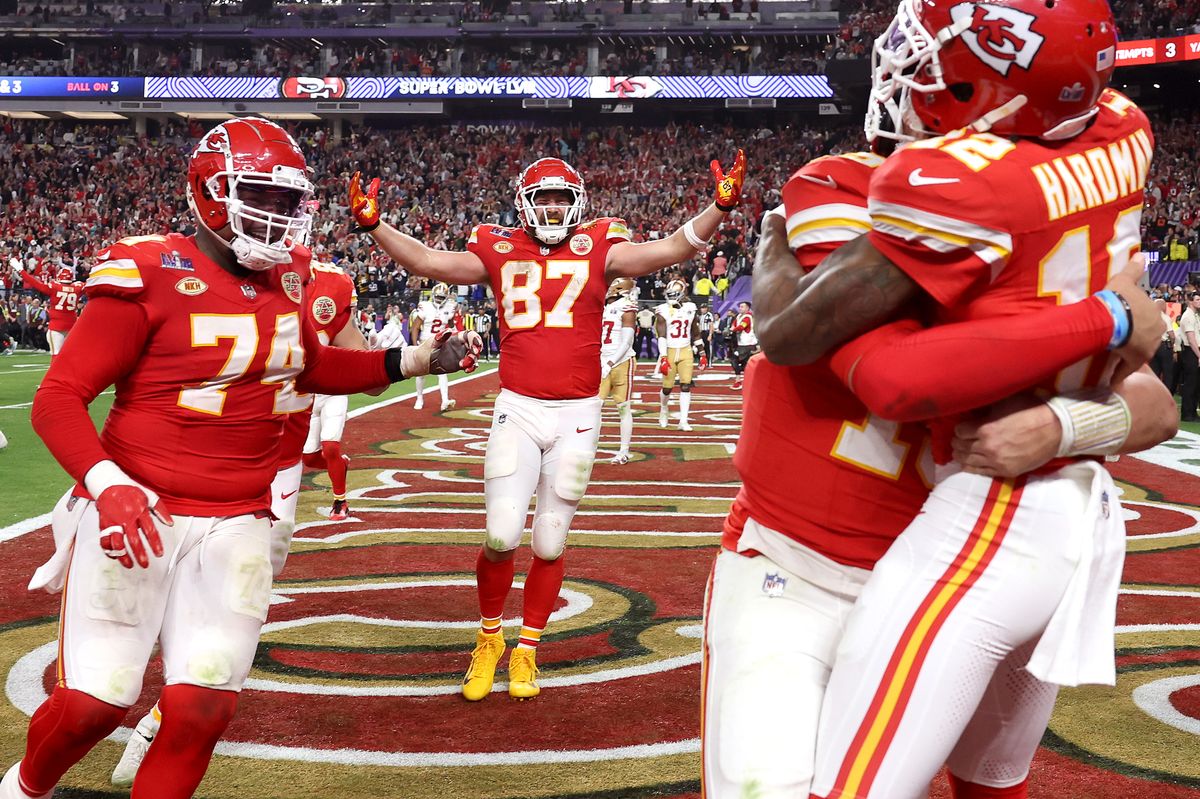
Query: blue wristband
x=1122, y=317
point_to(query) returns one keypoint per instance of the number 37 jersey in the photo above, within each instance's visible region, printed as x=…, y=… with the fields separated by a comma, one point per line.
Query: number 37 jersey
x=551, y=305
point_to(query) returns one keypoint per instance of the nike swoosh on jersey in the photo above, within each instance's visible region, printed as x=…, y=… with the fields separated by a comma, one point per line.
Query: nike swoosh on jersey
x=285, y=496
x=582, y=429
x=825, y=181
x=915, y=178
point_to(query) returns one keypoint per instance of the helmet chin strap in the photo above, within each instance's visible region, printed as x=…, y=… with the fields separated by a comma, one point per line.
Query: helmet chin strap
x=988, y=120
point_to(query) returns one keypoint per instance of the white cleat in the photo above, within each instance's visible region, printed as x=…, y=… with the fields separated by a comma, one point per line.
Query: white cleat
x=620, y=458
x=684, y=426
x=419, y=404
x=131, y=759
x=448, y=404
x=10, y=786
x=662, y=419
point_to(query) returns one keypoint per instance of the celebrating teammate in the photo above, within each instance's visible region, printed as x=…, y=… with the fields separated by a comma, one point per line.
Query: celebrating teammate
x=617, y=360
x=745, y=342
x=430, y=318
x=172, y=544
x=678, y=331
x=974, y=588
x=63, y=303
x=550, y=277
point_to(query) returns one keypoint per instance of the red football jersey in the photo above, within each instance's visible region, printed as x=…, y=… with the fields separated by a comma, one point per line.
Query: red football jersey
x=199, y=416
x=330, y=300
x=63, y=304
x=815, y=465
x=992, y=227
x=551, y=306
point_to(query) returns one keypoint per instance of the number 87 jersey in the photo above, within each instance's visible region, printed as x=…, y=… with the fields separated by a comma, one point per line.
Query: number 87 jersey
x=551, y=302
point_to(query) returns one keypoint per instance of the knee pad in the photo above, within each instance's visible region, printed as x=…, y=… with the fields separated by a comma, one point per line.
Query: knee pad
x=281, y=542
x=574, y=472
x=550, y=534
x=685, y=387
x=210, y=659
x=505, y=523
x=666, y=392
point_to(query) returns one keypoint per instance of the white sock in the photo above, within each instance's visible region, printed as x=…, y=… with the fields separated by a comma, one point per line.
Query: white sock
x=626, y=413
x=664, y=403
x=444, y=387
x=685, y=403
x=420, y=383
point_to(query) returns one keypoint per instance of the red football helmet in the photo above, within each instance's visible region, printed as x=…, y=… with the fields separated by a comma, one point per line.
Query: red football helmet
x=251, y=153
x=1016, y=67
x=550, y=174
x=65, y=274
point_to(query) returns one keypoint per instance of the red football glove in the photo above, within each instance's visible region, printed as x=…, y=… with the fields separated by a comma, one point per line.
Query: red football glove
x=125, y=518
x=663, y=365
x=703, y=361
x=729, y=187
x=364, y=206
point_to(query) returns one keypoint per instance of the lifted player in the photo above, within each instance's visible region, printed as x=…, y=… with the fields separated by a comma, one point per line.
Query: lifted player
x=617, y=361
x=678, y=330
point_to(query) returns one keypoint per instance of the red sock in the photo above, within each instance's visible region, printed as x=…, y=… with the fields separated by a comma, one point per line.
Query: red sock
x=193, y=719
x=336, y=467
x=541, y=591
x=61, y=732
x=314, y=460
x=493, y=581
x=961, y=789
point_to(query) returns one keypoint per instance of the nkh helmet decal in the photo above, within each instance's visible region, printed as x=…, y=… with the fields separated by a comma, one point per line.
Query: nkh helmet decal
x=675, y=292
x=550, y=224
x=1032, y=68
x=251, y=154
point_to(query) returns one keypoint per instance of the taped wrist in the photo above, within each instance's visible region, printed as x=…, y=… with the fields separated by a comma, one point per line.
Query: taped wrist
x=1094, y=422
x=689, y=233
x=662, y=347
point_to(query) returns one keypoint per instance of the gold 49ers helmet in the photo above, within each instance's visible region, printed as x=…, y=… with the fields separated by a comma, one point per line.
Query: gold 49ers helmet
x=440, y=293
x=621, y=287
x=675, y=292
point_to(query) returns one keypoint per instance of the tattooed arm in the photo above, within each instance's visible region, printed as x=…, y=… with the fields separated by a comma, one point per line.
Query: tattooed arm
x=799, y=317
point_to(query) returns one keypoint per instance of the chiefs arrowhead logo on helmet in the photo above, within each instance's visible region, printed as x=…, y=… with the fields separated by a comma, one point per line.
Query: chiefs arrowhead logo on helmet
x=1002, y=37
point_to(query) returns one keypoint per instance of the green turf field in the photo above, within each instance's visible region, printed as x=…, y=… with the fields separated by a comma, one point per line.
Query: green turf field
x=30, y=481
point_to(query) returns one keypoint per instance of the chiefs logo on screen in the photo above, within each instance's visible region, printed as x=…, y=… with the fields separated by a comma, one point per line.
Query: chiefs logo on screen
x=998, y=35
x=313, y=88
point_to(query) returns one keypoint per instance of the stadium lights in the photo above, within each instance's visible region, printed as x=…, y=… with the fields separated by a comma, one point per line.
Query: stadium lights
x=205, y=115
x=23, y=115
x=94, y=115
x=289, y=115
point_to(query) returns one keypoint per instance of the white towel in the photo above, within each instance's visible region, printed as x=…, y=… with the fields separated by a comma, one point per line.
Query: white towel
x=64, y=522
x=1077, y=646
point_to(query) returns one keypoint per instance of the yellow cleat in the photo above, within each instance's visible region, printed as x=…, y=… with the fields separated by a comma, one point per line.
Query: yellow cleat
x=477, y=683
x=522, y=674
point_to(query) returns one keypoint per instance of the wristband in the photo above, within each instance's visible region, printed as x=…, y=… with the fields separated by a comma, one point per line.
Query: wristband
x=1094, y=422
x=391, y=363
x=724, y=208
x=1122, y=316
x=363, y=229
x=689, y=233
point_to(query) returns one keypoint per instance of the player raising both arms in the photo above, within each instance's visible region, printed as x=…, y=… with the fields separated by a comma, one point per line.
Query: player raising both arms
x=550, y=277
x=173, y=540
x=64, y=292
x=678, y=330
x=617, y=361
x=430, y=318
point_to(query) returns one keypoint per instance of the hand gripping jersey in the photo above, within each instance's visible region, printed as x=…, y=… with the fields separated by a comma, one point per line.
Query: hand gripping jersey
x=610, y=327
x=63, y=304
x=199, y=417
x=678, y=323
x=815, y=465
x=992, y=227
x=551, y=305
x=329, y=300
x=436, y=318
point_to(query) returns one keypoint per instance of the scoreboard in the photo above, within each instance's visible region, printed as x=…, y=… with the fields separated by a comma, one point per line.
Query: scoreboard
x=1140, y=52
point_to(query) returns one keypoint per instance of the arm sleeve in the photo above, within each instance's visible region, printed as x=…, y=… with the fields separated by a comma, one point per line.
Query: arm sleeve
x=34, y=283
x=92, y=360
x=903, y=373
x=333, y=370
x=624, y=343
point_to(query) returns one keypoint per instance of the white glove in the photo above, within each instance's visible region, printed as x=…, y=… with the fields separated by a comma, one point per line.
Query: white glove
x=16, y=265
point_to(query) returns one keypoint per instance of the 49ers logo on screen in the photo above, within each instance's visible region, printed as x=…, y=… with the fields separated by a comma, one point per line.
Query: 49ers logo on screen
x=313, y=88
x=998, y=35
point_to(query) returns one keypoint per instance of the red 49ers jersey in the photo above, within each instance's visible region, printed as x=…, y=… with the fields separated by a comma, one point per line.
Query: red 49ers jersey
x=815, y=465
x=991, y=227
x=63, y=304
x=551, y=305
x=330, y=300
x=199, y=417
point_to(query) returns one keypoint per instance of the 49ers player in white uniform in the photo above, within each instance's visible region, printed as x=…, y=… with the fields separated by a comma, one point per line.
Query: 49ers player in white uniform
x=617, y=360
x=206, y=361
x=678, y=330
x=430, y=318
x=550, y=277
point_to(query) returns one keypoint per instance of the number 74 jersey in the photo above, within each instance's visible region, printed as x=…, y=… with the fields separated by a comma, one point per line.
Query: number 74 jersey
x=551, y=305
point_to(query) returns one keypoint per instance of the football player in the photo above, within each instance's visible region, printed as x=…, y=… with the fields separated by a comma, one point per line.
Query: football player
x=616, y=357
x=64, y=292
x=678, y=332
x=745, y=340
x=172, y=544
x=974, y=587
x=550, y=278
x=430, y=318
